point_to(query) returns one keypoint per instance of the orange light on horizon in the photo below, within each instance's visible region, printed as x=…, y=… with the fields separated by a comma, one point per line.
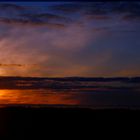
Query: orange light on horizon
x=36, y=97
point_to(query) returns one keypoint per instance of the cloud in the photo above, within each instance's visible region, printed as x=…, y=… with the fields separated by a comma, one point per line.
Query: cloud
x=17, y=65
x=68, y=8
x=11, y=65
x=131, y=17
x=97, y=17
x=45, y=48
x=10, y=6
x=46, y=17
x=26, y=22
x=98, y=8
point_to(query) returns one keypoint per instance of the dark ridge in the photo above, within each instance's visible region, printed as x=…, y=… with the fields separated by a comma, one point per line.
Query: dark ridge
x=68, y=83
x=97, y=79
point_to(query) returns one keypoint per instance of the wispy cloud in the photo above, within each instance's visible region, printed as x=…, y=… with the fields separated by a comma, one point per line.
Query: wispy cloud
x=17, y=65
x=11, y=65
x=26, y=22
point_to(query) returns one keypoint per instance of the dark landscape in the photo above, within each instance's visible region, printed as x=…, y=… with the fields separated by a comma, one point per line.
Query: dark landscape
x=82, y=100
x=19, y=121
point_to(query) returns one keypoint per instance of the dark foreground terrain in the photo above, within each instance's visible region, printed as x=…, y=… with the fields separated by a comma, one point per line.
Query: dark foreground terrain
x=21, y=121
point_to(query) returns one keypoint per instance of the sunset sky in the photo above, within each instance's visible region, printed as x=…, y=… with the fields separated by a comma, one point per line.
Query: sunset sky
x=62, y=39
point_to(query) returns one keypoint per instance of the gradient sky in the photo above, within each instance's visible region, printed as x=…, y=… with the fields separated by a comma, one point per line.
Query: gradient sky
x=62, y=39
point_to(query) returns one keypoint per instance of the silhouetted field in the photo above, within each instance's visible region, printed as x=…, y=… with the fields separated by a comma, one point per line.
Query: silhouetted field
x=21, y=121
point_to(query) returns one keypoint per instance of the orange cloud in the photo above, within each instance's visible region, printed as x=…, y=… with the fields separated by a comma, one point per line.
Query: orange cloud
x=12, y=65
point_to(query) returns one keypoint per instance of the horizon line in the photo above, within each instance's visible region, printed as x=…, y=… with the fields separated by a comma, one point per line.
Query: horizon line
x=70, y=77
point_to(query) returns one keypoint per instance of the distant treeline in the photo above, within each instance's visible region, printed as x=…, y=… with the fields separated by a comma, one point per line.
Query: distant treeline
x=70, y=83
x=96, y=79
